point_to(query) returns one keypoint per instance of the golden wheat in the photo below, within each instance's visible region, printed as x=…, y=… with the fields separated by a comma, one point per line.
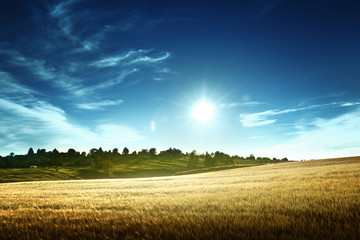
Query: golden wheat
x=303, y=200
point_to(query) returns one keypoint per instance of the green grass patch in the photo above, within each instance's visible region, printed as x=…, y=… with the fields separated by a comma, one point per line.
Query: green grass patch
x=126, y=169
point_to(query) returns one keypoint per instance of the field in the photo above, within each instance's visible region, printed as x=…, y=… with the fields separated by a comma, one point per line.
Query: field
x=317, y=199
x=131, y=168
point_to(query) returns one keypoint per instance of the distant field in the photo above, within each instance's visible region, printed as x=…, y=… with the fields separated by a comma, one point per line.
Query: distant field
x=317, y=199
x=128, y=169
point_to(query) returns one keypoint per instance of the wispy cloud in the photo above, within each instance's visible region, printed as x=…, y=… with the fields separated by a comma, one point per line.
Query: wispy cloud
x=255, y=137
x=62, y=13
x=262, y=118
x=158, y=79
x=329, y=138
x=60, y=78
x=147, y=59
x=44, y=125
x=129, y=58
x=68, y=62
x=264, y=7
x=330, y=95
x=74, y=85
x=8, y=85
x=163, y=73
x=68, y=21
x=115, y=60
x=72, y=66
x=98, y=105
x=255, y=119
x=37, y=66
x=44, y=71
x=164, y=70
x=62, y=8
x=239, y=104
x=105, y=84
x=349, y=104
x=79, y=23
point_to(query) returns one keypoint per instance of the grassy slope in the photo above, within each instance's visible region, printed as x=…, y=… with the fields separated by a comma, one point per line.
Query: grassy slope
x=128, y=169
x=302, y=200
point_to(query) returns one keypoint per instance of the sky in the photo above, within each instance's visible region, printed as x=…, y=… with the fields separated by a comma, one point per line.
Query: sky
x=281, y=77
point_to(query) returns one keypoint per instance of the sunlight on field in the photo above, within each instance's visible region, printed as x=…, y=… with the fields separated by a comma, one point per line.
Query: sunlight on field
x=309, y=200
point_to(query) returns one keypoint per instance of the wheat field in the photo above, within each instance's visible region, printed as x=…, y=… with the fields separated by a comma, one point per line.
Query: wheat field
x=317, y=199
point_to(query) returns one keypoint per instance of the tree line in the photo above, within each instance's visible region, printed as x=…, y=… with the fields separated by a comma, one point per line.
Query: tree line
x=97, y=157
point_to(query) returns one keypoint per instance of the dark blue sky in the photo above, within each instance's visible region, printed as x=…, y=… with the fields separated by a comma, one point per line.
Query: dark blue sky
x=282, y=76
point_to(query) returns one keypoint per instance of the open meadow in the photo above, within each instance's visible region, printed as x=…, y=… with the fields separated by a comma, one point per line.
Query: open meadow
x=317, y=199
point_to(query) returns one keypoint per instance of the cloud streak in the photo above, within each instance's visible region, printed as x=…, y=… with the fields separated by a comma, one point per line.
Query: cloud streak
x=129, y=58
x=98, y=105
x=45, y=125
x=60, y=77
x=336, y=137
x=262, y=118
x=114, y=60
x=114, y=80
x=8, y=85
x=147, y=59
x=241, y=104
x=70, y=60
x=62, y=13
x=264, y=7
x=44, y=71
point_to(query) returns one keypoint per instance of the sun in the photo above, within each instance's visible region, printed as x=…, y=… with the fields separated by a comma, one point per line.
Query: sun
x=203, y=111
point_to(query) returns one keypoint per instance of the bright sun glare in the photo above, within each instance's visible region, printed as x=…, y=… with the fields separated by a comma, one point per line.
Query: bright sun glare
x=203, y=111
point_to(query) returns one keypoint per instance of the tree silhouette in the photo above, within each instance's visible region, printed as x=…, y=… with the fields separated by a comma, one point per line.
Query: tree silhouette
x=115, y=151
x=71, y=151
x=209, y=161
x=125, y=151
x=193, y=159
x=40, y=151
x=106, y=159
x=222, y=158
x=152, y=152
x=31, y=152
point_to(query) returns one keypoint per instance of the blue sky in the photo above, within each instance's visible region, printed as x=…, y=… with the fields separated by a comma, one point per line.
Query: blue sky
x=282, y=76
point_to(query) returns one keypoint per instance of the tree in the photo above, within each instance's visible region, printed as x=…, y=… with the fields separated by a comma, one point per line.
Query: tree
x=2, y=163
x=143, y=153
x=222, y=158
x=251, y=157
x=171, y=153
x=40, y=151
x=152, y=152
x=71, y=151
x=93, y=151
x=115, y=151
x=209, y=161
x=193, y=159
x=56, y=159
x=125, y=151
x=31, y=152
